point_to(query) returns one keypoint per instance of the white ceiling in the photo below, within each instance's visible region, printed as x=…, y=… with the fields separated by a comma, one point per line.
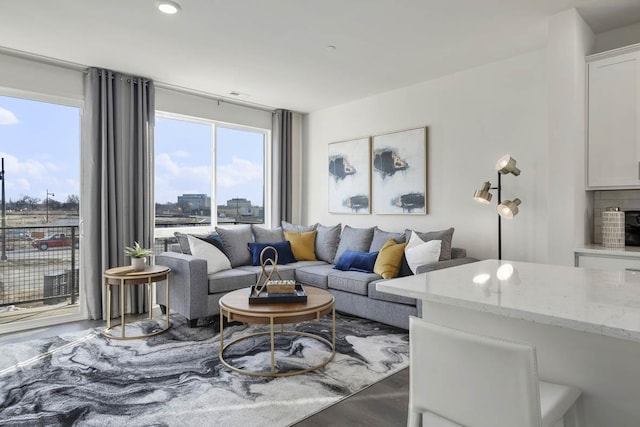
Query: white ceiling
x=274, y=51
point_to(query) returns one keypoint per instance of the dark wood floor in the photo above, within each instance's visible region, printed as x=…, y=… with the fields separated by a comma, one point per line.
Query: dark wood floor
x=383, y=404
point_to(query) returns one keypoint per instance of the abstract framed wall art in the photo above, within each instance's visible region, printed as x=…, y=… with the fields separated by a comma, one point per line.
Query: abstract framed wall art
x=349, y=176
x=399, y=172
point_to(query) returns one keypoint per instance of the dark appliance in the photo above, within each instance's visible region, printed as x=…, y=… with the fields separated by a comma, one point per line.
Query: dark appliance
x=632, y=228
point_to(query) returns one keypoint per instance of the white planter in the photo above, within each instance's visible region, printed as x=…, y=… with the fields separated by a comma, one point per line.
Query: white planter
x=138, y=264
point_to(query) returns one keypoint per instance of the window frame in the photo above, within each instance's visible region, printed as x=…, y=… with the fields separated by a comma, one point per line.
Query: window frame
x=164, y=232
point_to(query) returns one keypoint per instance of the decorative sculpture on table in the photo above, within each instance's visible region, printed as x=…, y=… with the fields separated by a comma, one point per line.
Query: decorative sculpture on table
x=279, y=286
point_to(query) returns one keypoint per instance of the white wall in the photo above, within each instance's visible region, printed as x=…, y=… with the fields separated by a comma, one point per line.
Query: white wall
x=569, y=41
x=48, y=82
x=474, y=117
x=619, y=37
x=194, y=105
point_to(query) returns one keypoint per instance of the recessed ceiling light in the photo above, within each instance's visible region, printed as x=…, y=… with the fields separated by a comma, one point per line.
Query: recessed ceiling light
x=168, y=7
x=330, y=48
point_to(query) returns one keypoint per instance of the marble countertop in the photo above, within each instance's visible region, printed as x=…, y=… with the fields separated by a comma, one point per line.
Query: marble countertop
x=596, y=301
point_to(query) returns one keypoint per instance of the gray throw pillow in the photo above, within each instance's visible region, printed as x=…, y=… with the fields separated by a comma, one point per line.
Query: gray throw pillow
x=183, y=241
x=267, y=235
x=380, y=237
x=445, y=235
x=355, y=239
x=236, y=241
x=287, y=226
x=327, y=241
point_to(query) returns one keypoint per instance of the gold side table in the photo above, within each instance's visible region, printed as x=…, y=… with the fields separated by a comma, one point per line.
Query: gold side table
x=126, y=276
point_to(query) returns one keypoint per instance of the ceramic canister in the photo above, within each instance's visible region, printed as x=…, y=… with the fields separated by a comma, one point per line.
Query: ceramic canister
x=613, y=228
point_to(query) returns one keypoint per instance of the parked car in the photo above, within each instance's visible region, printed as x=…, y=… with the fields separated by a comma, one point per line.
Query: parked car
x=17, y=234
x=57, y=240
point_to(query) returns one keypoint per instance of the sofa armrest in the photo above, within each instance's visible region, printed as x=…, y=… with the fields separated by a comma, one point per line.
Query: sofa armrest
x=444, y=264
x=458, y=253
x=189, y=284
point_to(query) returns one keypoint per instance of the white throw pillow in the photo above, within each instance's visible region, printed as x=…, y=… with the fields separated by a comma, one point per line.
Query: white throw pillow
x=216, y=260
x=420, y=253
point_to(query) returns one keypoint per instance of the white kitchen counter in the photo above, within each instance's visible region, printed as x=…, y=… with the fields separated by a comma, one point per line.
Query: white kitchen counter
x=596, y=301
x=584, y=323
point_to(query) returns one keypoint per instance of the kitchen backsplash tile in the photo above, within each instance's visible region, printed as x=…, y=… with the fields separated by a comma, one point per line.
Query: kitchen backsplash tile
x=627, y=200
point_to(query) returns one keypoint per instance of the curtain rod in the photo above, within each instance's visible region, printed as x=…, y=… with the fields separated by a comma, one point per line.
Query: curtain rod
x=80, y=67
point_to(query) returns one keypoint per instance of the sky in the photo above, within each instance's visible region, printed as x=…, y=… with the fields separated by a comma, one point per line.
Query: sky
x=40, y=143
x=184, y=157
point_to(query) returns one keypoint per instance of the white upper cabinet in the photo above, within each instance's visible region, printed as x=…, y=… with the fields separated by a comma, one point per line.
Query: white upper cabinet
x=613, y=140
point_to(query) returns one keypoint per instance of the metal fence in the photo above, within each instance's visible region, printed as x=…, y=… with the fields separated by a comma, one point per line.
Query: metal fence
x=39, y=264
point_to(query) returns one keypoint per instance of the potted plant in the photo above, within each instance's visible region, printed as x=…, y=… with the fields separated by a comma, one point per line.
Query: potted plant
x=138, y=256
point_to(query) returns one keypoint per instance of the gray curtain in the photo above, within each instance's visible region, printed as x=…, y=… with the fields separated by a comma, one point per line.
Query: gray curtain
x=117, y=181
x=282, y=166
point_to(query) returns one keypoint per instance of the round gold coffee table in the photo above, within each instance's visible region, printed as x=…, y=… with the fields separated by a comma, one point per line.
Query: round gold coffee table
x=235, y=307
x=126, y=276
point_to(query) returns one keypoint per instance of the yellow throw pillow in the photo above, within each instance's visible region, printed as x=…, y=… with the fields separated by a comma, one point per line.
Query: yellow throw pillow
x=389, y=259
x=302, y=244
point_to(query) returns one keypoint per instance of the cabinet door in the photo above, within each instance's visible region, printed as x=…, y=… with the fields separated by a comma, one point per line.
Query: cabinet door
x=614, y=117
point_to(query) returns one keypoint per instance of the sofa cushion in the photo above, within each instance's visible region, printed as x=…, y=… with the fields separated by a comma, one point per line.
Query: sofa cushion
x=385, y=296
x=287, y=226
x=302, y=244
x=445, y=235
x=351, y=281
x=327, y=241
x=183, y=240
x=216, y=259
x=283, y=250
x=389, y=259
x=355, y=239
x=230, y=280
x=357, y=261
x=316, y=275
x=266, y=235
x=235, y=241
x=380, y=238
x=420, y=253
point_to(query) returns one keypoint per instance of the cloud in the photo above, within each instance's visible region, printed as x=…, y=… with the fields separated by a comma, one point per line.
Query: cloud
x=25, y=176
x=181, y=154
x=239, y=172
x=7, y=117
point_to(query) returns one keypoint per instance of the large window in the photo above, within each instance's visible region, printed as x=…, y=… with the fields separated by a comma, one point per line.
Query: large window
x=208, y=173
x=39, y=236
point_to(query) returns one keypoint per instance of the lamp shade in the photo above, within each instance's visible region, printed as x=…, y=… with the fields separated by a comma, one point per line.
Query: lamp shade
x=507, y=164
x=509, y=208
x=483, y=195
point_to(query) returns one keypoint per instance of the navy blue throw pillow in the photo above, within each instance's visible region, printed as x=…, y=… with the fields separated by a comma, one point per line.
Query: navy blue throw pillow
x=285, y=255
x=356, y=261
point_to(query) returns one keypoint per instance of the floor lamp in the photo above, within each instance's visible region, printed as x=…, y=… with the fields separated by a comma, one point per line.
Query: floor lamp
x=507, y=209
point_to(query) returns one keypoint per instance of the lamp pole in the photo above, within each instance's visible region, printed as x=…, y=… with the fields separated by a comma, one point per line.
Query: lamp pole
x=499, y=217
x=47, y=204
x=4, y=217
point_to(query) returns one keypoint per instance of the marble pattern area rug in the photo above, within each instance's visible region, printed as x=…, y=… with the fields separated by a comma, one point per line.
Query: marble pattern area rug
x=176, y=379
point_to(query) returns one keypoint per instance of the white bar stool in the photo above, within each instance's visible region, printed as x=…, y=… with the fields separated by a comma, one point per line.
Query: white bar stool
x=471, y=380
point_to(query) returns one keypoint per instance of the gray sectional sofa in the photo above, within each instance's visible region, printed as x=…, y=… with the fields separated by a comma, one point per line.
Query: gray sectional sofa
x=195, y=294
